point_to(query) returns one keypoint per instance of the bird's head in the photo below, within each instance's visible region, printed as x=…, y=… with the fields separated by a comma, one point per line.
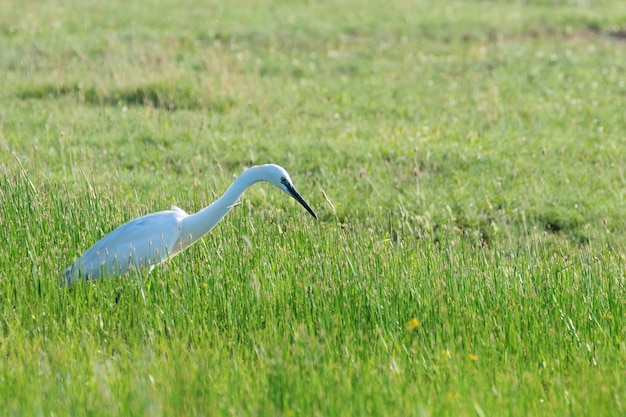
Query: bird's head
x=278, y=176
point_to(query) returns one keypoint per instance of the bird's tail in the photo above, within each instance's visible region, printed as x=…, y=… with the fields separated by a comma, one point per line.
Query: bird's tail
x=68, y=276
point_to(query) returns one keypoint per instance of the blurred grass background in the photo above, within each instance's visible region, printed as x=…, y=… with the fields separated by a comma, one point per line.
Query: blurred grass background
x=466, y=159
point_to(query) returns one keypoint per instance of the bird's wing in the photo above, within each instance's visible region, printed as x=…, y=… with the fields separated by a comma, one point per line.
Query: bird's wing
x=144, y=241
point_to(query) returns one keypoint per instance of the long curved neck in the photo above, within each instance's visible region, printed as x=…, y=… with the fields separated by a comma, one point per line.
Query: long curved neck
x=197, y=225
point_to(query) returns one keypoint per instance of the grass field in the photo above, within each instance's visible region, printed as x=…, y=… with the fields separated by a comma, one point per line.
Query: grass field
x=467, y=160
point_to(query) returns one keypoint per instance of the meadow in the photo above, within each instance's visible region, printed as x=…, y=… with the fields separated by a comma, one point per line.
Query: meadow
x=466, y=160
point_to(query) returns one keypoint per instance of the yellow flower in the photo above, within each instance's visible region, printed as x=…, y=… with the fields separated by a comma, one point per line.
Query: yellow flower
x=412, y=324
x=473, y=357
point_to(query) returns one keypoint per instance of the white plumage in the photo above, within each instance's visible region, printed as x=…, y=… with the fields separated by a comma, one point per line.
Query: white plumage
x=152, y=239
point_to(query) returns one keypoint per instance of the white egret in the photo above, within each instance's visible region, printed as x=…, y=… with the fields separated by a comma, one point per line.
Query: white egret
x=157, y=237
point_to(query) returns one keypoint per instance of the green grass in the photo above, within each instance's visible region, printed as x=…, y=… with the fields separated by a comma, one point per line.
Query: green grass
x=466, y=158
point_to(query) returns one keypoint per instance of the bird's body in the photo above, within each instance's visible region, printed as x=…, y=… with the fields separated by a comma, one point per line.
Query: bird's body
x=143, y=242
x=152, y=239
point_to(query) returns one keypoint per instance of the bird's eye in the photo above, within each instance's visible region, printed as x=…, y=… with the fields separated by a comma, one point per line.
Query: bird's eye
x=283, y=181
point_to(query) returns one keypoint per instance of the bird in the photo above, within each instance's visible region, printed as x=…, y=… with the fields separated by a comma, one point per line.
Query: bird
x=152, y=239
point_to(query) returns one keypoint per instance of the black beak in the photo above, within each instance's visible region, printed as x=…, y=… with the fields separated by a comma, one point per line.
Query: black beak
x=296, y=195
